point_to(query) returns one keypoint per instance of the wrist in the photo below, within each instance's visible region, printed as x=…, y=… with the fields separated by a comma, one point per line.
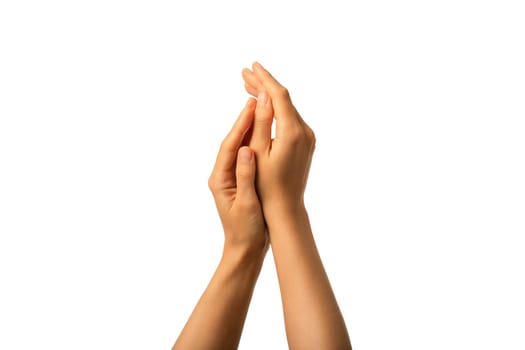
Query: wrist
x=282, y=212
x=241, y=267
x=243, y=255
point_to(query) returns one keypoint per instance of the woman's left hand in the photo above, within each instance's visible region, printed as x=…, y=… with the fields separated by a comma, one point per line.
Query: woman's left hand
x=232, y=184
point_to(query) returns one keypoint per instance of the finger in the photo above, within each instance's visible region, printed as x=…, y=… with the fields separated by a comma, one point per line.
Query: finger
x=262, y=124
x=245, y=174
x=249, y=76
x=251, y=90
x=229, y=146
x=247, y=137
x=251, y=82
x=285, y=112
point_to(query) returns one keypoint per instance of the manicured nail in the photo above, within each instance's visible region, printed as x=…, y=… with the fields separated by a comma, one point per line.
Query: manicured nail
x=262, y=99
x=245, y=155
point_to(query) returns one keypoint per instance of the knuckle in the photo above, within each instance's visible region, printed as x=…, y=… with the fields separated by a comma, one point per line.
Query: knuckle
x=311, y=136
x=295, y=135
x=302, y=136
x=211, y=183
x=248, y=204
x=263, y=118
x=283, y=92
x=244, y=172
x=214, y=183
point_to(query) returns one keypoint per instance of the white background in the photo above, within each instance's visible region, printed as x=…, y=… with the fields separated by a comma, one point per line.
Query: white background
x=111, y=113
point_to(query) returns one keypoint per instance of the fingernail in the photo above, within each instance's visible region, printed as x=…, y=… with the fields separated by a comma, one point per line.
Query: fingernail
x=257, y=64
x=245, y=155
x=262, y=99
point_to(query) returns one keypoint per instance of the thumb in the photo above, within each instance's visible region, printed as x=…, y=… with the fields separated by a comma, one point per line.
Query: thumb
x=245, y=174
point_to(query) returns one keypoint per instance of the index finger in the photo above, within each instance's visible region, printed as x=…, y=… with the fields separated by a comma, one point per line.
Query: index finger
x=285, y=111
x=231, y=143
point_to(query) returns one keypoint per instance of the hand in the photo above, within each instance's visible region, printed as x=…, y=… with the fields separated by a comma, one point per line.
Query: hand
x=232, y=184
x=283, y=163
x=312, y=317
x=218, y=318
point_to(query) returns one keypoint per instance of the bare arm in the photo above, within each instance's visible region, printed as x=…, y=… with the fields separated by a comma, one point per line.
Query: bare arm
x=312, y=317
x=218, y=319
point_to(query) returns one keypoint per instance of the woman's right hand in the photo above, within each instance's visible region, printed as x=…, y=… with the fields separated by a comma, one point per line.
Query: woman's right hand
x=283, y=163
x=312, y=317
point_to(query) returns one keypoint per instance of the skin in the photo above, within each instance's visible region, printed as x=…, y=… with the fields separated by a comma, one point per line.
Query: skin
x=258, y=207
x=312, y=317
x=218, y=319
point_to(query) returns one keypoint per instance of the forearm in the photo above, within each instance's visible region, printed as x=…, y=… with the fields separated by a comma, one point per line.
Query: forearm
x=218, y=318
x=312, y=316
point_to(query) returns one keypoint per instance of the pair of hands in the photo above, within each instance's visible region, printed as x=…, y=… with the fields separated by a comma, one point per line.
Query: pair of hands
x=258, y=184
x=256, y=179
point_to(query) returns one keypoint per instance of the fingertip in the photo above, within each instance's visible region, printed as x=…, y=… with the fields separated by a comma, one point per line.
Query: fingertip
x=251, y=102
x=245, y=154
x=257, y=65
x=251, y=82
x=245, y=73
